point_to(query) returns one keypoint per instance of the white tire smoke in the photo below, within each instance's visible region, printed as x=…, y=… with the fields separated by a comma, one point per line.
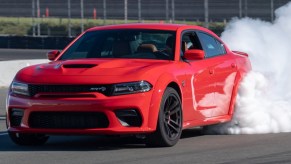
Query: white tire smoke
x=264, y=100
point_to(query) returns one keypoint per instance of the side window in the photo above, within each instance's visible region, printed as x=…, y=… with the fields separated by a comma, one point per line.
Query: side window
x=211, y=46
x=221, y=46
x=190, y=41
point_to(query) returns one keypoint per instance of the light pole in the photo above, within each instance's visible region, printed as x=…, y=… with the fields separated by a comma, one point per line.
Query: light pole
x=173, y=10
x=33, y=17
x=206, y=14
x=69, y=19
x=104, y=12
x=272, y=10
x=125, y=11
x=38, y=16
x=167, y=10
x=139, y=10
x=82, y=16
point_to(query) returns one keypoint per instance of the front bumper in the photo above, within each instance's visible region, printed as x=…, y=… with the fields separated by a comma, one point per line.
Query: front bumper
x=108, y=106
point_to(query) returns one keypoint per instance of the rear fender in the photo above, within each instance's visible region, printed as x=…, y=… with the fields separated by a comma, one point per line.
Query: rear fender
x=244, y=67
x=237, y=82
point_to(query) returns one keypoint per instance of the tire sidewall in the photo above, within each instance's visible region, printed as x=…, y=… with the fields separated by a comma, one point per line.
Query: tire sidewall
x=168, y=92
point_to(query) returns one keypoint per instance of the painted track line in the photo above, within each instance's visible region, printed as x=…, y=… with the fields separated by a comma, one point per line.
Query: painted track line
x=3, y=133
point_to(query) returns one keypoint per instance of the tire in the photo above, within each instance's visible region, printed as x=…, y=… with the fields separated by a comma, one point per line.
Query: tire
x=28, y=139
x=169, y=124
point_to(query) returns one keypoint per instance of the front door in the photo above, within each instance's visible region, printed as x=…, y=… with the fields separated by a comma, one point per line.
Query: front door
x=200, y=77
x=224, y=72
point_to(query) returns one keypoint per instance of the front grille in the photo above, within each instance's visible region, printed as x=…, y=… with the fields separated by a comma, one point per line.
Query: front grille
x=68, y=120
x=35, y=89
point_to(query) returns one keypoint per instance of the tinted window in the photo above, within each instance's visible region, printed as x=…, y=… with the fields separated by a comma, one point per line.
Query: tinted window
x=211, y=46
x=190, y=41
x=134, y=43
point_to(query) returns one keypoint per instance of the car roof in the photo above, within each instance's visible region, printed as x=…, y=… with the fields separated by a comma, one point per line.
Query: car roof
x=154, y=26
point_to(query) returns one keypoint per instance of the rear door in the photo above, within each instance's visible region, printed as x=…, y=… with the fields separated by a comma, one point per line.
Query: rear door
x=223, y=68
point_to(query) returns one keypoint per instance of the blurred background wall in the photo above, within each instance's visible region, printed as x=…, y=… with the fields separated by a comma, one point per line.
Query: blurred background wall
x=68, y=18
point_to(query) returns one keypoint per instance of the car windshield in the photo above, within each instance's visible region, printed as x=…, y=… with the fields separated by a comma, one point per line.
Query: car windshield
x=133, y=43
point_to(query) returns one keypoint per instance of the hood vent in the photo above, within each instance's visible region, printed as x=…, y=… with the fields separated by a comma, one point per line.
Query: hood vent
x=79, y=65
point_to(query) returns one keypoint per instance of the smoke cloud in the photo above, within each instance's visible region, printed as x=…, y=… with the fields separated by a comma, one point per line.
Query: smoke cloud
x=264, y=100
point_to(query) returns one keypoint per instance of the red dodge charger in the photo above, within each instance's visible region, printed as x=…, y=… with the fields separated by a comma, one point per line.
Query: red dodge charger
x=151, y=80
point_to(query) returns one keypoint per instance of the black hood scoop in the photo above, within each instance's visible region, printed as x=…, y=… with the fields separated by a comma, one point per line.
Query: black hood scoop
x=79, y=65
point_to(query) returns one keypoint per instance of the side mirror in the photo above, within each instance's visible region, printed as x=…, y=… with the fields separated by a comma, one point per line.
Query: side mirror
x=194, y=54
x=52, y=55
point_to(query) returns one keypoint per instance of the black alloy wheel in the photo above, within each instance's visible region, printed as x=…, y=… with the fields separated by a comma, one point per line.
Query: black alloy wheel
x=169, y=125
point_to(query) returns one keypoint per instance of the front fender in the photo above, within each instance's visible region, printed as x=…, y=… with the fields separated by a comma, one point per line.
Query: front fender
x=158, y=93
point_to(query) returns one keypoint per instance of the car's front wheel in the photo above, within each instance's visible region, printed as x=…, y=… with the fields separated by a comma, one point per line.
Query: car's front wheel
x=28, y=139
x=169, y=125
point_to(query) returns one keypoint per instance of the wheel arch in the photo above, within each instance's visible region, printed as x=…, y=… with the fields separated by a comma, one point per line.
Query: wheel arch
x=175, y=86
x=166, y=80
x=244, y=67
x=238, y=79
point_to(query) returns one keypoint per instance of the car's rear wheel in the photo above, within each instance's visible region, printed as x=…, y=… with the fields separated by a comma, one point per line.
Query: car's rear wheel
x=28, y=139
x=169, y=125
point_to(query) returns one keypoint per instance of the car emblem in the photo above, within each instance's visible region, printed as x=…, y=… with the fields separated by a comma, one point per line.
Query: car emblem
x=98, y=89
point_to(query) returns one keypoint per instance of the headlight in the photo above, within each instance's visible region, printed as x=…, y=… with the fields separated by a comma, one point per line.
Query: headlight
x=19, y=88
x=133, y=87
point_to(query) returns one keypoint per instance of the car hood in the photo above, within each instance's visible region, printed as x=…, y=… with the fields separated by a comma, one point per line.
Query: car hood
x=121, y=68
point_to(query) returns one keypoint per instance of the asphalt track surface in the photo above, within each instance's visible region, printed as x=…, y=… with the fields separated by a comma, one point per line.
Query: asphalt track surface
x=19, y=54
x=193, y=147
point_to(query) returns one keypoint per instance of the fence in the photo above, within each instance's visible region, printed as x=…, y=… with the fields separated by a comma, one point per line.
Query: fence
x=77, y=15
x=29, y=42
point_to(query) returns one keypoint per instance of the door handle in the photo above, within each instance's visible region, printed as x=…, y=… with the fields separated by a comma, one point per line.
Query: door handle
x=233, y=65
x=211, y=71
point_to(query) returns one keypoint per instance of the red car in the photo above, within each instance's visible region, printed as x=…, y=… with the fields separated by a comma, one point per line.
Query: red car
x=150, y=80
